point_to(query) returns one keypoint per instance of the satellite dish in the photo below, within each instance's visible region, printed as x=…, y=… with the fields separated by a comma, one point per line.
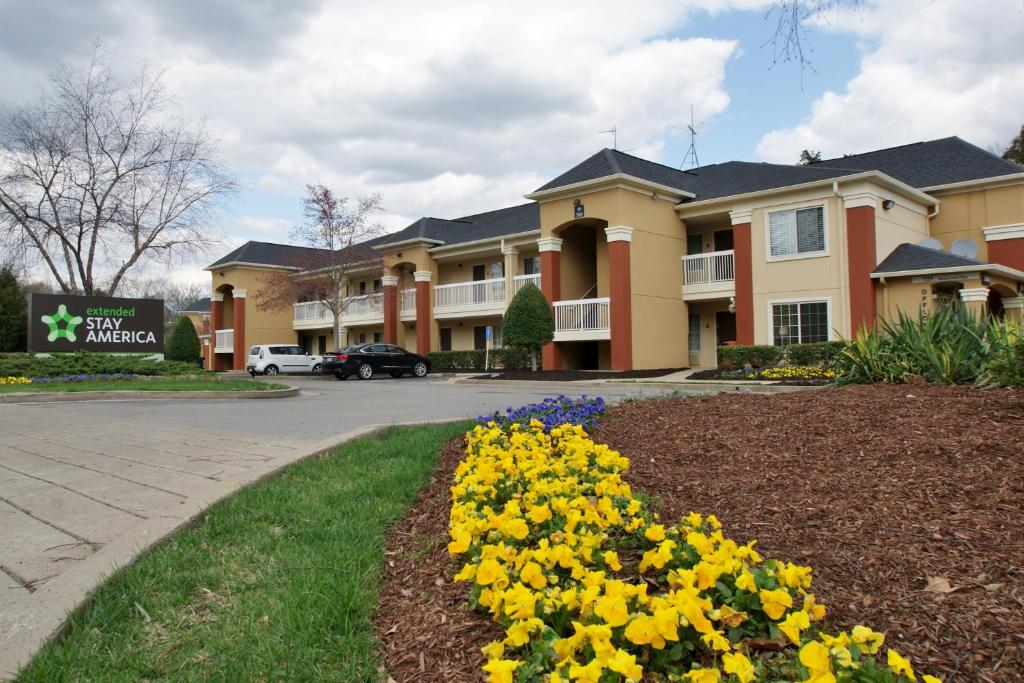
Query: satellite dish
x=930, y=243
x=964, y=248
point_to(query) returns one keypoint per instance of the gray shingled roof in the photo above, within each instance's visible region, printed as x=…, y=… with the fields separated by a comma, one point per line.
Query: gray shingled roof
x=915, y=257
x=926, y=164
x=267, y=253
x=480, y=226
x=922, y=164
x=198, y=306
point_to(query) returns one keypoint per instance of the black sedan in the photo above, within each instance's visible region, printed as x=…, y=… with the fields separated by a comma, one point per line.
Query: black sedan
x=365, y=360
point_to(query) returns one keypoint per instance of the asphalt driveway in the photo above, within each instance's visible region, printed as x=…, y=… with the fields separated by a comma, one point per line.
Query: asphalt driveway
x=85, y=486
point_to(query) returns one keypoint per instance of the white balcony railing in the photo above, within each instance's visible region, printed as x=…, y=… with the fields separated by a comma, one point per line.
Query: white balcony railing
x=582, y=319
x=312, y=314
x=363, y=309
x=224, y=342
x=709, y=275
x=407, y=302
x=467, y=298
x=520, y=280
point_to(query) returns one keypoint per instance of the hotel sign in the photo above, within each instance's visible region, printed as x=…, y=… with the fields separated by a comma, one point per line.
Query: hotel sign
x=64, y=322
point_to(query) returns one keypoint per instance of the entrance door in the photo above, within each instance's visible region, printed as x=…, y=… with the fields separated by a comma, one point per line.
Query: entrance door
x=480, y=338
x=725, y=327
x=723, y=240
x=479, y=273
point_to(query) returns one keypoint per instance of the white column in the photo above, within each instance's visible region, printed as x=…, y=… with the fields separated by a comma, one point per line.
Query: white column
x=511, y=255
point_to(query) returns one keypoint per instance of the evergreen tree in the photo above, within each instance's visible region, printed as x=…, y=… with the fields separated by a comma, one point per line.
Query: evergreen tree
x=13, y=312
x=809, y=156
x=183, y=342
x=528, y=322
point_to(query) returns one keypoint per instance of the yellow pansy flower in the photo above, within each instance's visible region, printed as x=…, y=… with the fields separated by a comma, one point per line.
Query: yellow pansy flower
x=624, y=663
x=703, y=675
x=643, y=630
x=655, y=533
x=793, y=624
x=899, y=664
x=488, y=571
x=539, y=514
x=591, y=673
x=501, y=670
x=745, y=582
x=737, y=664
x=869, y=641
x=518, y=634
x=775, y=602
x=460, y=541
x=533, y=575
x=815, y=657
x=611, y=558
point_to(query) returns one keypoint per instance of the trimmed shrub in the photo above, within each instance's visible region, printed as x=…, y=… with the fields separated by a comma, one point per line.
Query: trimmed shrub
x=754, y=355
x=529, y=323
x=506, y=359
x=183, y=342
x=817, y=353
x=86, y=363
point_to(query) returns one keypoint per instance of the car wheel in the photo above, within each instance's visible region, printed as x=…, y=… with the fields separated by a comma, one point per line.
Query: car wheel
x=271, y=370
x=340, y=376
x=316, y=369
x=365, y=371
x=252, y=373
x=420, y=369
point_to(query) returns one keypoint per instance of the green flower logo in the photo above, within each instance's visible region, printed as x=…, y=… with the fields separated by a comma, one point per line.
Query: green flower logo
x=54, y=321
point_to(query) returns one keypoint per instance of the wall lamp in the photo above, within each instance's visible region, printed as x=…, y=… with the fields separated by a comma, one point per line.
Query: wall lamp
x=888, y=203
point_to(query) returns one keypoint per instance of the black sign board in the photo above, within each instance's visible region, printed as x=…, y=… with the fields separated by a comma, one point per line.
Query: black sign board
x=64, y=322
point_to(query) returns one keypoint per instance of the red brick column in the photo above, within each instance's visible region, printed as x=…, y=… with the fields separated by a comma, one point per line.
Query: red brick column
x=744, y=255
x=551, y=285
x=423, y=317
x=861, y=260
x=620, y=291
x=390, y=283
x=216, y=323
x=239, y=351
x=1006, y=251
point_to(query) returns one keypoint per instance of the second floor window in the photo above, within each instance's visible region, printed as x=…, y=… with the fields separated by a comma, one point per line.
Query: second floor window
x=797, y=231
x=531, y=265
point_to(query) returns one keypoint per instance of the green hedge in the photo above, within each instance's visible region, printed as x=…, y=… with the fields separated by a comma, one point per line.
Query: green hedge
x=84, y=363
x=765, y=355
x=508, y=359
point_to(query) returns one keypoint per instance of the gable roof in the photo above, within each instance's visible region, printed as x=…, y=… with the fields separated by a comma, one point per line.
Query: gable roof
x=907, y=257
x=480, y=226
x=197, y=306
x=927, y=164
x=267, y=254
x=610, y=162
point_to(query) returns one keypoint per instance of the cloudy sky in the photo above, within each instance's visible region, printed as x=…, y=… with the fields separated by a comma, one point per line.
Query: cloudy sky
x=449, y=108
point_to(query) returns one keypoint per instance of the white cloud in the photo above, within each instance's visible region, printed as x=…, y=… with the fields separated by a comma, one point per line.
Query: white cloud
x=931, y=68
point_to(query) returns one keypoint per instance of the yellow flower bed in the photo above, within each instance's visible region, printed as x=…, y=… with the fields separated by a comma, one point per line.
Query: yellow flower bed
x=799, y=372
x=15, y=380
x=590, y=587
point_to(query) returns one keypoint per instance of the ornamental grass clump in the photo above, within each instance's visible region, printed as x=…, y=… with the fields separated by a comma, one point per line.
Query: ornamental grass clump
x=590, y=587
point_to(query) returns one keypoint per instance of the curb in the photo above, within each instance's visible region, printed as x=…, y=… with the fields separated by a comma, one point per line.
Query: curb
x=123, y=553
x=684, y=385
x=135, y=395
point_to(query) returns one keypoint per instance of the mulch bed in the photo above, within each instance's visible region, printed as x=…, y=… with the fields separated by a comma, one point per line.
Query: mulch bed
x=576, y=375
x=877, y=487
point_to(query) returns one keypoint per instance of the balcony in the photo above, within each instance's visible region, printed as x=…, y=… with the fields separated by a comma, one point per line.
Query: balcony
x=366, y=309
x=709, y=276
x=225, y=341
x=582, y=320
x=520, y=280
x=407, y=304
x=467, y=299
x=311, y=315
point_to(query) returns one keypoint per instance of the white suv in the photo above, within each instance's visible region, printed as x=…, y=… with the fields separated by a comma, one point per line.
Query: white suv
x=273, y=359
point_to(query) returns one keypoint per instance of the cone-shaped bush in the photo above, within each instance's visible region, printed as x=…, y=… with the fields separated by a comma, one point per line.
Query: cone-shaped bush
x=183, y=342
x=528, y=322
x=12, y=312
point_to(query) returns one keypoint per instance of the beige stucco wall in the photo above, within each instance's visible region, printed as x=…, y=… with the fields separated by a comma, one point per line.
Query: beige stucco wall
x=462, y=330
x=898, y=225
x=964, y=214
x=261, y=327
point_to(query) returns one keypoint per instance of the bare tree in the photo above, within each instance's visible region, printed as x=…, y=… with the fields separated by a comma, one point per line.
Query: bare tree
x=790, y=41
x=97, y=177
x=335, y=234
x=177, y=296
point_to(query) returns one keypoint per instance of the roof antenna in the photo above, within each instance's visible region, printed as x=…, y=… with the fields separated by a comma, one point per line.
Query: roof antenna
x=615, y=136
x=692, y=152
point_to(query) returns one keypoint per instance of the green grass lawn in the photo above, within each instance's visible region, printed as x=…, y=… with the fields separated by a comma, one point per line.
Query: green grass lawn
x=278, y=582
x=144, y=385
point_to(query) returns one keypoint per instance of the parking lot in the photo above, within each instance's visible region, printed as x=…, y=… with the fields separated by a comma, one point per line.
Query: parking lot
x=85, y=486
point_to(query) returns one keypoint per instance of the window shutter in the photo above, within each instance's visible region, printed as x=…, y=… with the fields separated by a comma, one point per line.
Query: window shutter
x=810, y=229
x=782, y=233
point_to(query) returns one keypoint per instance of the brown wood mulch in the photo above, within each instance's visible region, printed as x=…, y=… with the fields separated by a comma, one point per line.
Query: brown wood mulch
x=906, y=500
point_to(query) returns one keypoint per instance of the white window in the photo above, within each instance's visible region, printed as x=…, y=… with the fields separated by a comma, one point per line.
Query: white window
x=693, y=332
x=800, y=322
x=797, y=231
